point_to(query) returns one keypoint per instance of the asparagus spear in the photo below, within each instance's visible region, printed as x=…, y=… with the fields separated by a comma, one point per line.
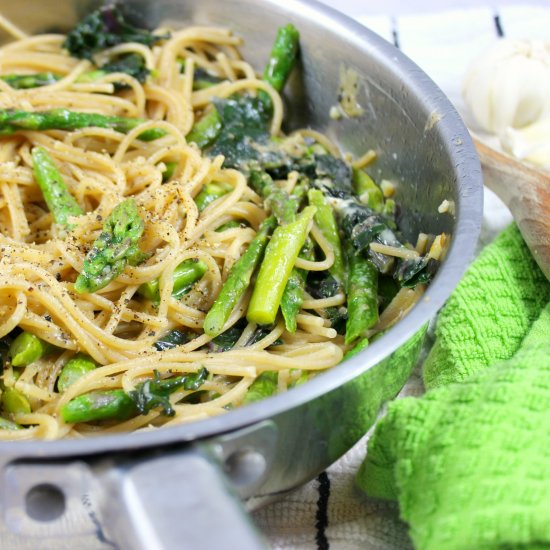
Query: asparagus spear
x=26, y=81
x=238, y=280
x=60, y=202
x=132, y=64
x=27, y=348
x=264, y=386
x=6, y=424
x=362, y=294
x=282, y=59
x=119, y=405
x=293, y=295
x=285, y=206
x=185, y=276
x=14, y=402
x=99, y=405
x=115, y=247
x=75, y=368
x=206, y=130
x=63, y=119
x=358, y=348
x=324, y=218
x=280, y=256
x=169, y=172
x=210, y=192
x=363, y=183
x=229, y=225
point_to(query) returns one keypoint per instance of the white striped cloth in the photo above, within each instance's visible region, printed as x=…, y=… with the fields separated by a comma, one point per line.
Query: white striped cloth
x=329, y=512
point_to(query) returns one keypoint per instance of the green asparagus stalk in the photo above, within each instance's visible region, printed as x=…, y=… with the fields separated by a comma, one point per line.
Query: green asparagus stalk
x=363, y=183
x=362, y=294
x=326, y=221
x=169, y=172
x=389, y=208
x=75, y=368
x=264, y=386
x=283, y=205
x=119, y=405
x=27, y=81
x=293, y=295
x=206, y=130
x=185, y=276
x=115, y=247
x=27, y=348
x=14, y=402
x=280, y=257
x=238, y=280
x=132, y=64
x=358, y=348
x=282, y=59
x=211, y=192
x=60, y=202
x=99, y=405
x=6, y=424
x=63, y=119
x=229, y=225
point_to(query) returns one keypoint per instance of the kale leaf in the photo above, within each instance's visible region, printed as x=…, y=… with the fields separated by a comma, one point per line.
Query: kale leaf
x=104, y=28
x=156, y=392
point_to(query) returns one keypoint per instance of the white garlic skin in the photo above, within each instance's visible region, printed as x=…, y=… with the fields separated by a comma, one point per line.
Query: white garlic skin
x=509, y=85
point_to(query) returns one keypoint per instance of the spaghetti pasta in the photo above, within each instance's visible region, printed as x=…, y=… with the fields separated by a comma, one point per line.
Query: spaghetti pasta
x=126, y=333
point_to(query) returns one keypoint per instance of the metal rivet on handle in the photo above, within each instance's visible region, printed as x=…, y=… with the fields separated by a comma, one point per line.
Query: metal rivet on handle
x=45, y=502
x=245, y=466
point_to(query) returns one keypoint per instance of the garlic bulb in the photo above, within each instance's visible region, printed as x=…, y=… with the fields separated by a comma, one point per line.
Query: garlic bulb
x=509, y=85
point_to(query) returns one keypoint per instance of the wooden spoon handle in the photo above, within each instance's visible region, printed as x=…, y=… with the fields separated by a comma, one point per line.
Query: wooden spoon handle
x=526, y=192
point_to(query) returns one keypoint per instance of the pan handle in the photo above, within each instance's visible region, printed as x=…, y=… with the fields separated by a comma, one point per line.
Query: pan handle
x=177, y=499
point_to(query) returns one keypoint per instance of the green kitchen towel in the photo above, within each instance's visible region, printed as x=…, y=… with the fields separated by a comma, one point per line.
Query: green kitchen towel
x=469, y=462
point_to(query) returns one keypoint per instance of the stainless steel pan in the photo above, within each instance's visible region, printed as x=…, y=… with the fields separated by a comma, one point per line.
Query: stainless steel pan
x=174, y=488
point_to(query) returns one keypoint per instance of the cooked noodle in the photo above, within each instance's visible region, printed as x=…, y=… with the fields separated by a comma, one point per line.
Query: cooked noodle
x=102, y=167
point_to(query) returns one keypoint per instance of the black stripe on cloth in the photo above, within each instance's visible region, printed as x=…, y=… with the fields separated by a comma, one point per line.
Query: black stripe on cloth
x=321, y=515
x=394, y=33
x=498, y=26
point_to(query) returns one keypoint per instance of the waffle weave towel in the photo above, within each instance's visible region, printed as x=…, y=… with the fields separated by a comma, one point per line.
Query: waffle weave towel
x=469, y=462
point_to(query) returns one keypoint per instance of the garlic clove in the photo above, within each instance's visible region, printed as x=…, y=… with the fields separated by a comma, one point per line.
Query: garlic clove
x=530, y=143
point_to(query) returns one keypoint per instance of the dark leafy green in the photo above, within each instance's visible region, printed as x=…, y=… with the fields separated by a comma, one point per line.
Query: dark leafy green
x=104, y=28
x=203, y=79
x=156, y=392
x=245, y=127
x=171, y=340
x=227, y=340
x=132, y=64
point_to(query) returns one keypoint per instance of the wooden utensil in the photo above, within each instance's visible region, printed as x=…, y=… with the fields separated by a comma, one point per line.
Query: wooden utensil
x=526, y=192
